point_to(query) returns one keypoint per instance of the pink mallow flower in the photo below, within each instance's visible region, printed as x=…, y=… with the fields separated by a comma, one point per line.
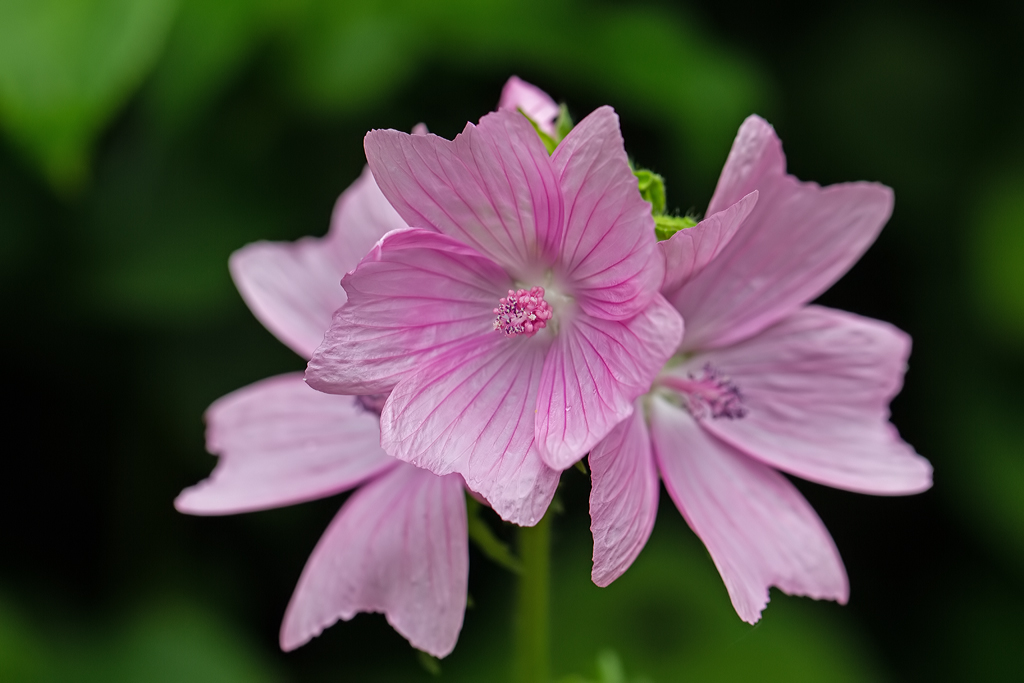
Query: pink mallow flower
x=762, y=382
x=518, y=318
x=532, y=101
x=399, y=544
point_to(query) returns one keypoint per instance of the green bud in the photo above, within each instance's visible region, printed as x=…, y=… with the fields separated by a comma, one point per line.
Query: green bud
x=666, y=226
x=652, y=189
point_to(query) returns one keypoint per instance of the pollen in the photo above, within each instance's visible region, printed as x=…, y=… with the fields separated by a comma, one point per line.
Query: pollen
x=522, y=312
x=710, y=394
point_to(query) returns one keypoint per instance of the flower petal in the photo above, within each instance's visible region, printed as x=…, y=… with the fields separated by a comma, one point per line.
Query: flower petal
x=689, y=251
x=282, y=443
x=493, y=188
x=817, y=388
x=757, y=527
x=798, y=240
x=609, y=254
x=398, y=546
x=362, y=215
x=594, y=371
x=294, y=287
x=534, y=102
x=623, y=498
x=471, y=411
x=413, y=296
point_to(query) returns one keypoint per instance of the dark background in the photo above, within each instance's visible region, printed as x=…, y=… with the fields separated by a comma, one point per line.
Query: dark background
x=141, y=141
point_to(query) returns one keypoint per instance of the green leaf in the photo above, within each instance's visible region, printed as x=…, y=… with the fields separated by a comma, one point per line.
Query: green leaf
x=997, y=251
x=666, y=226
x=652, y=189
x=490, y=545
x=66, y=67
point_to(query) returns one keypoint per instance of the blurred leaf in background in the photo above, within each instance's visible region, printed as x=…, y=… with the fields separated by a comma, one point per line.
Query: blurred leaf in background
x=162, y=641
x=66, y=66
x=995, y=229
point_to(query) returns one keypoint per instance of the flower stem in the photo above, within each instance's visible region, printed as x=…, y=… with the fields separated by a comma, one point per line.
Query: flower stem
x=532, y=630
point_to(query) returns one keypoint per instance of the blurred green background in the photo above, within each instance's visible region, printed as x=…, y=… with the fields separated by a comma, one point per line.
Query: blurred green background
x=141, y=141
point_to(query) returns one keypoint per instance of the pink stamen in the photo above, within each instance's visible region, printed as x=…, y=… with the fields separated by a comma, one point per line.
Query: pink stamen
x=522, y=312
x=711, y=394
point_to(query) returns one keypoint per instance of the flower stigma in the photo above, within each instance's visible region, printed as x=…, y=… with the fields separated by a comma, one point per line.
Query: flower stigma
x=710, y=394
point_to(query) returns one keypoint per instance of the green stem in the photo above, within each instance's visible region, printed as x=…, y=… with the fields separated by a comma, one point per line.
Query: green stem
x=532, y=629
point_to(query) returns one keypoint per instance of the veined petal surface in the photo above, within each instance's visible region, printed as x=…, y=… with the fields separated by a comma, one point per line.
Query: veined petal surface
x=471, y=411
x=623, y=497
x=609, y=251
x=798, y=240
x=534, y=102
x=690, y=250
x=493, y=188
x=757, y=527
x=592, y=374
x=282, y=443
x=294, y=287
x=817, y=388
x=399, y=546
x=413, y=296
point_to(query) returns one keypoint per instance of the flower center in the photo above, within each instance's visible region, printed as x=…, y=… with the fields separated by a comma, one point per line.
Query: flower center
x=522, y=312
x=711, y=394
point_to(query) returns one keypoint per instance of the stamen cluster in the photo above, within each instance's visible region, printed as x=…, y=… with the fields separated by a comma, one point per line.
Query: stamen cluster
x=711, y=394
x=522, y=312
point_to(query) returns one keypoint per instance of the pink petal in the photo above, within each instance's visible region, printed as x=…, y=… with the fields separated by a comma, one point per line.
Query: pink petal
x=594, y=371
x=282, y=443
x=398, y=546
x=493, y=188
x=294, y=287
x=534, y=102
x=623, y=498
x=797, y=241
x=757, y=527
x=689, y=251
x=362, y=215
x=817, y=388
x=471, y=411
x=414, y=295
x=609, y=255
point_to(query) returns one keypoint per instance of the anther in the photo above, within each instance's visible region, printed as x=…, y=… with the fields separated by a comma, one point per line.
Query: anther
x=522, y=312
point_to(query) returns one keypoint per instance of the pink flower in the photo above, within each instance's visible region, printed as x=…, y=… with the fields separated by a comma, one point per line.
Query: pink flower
x=532, y=101
x=399, y=544
x=518, y=318
x=762, y=382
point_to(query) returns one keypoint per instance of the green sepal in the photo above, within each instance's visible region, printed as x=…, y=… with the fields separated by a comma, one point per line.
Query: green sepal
x=549, y=142
x=563, y=124
x=666, y=226
x=581, y=467
x=562, y=127
x=490, y=545
x=652, y=189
